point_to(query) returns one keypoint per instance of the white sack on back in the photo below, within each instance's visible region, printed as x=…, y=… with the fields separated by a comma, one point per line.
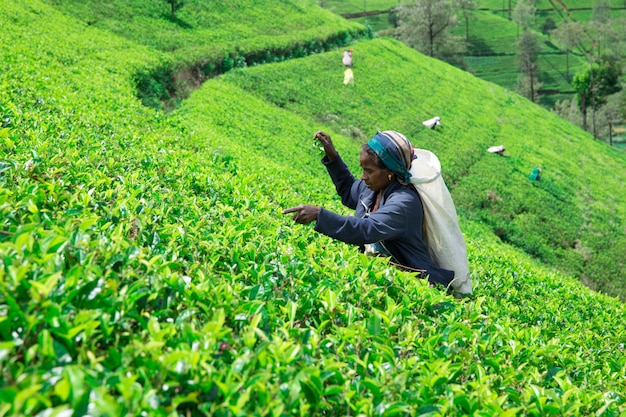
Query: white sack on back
x=442, y=233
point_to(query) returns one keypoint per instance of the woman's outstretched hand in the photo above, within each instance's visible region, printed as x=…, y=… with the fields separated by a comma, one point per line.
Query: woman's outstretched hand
x=324, y=140
x=304, y=213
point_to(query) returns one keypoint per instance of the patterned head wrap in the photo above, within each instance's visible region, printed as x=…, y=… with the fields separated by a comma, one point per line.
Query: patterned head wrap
x=395, y=151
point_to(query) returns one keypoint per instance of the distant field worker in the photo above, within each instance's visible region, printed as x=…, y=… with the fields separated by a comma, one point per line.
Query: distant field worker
x=347, y=58
x=432, y=123
x=535, y=174
x=499, y=149
x=348, y=77
x=389, y=213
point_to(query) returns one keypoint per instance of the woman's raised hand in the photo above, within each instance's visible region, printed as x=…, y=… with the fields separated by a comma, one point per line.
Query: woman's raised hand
x=324, y=140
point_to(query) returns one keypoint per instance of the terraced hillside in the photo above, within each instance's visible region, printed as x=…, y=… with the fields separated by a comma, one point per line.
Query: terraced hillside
x=493, y=36
x=145, y=268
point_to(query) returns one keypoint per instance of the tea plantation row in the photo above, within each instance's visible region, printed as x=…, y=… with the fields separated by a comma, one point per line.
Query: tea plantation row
x=145, y=268
x=562, y=220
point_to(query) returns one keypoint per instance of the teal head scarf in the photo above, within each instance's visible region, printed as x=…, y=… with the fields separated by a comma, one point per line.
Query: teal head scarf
x=395, y=151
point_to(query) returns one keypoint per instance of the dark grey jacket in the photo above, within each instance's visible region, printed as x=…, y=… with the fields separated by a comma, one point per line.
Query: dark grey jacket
x=397, y=223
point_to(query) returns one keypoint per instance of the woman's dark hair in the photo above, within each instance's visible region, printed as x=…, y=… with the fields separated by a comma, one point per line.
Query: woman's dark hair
x=377, y=161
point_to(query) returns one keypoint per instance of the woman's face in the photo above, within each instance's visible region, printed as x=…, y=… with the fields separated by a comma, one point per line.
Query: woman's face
x=375, y=178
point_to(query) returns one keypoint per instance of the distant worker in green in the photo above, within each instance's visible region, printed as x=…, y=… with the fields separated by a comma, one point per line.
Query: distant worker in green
x=389, y=213
x=535, y=174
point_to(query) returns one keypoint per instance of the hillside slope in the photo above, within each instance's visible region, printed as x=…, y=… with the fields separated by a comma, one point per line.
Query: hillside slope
x=572, y=219
x=492, y=38
x=145, y=268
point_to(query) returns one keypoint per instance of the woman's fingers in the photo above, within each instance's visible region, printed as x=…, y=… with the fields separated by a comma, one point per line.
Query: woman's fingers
x=327, y=143
x=297, y=210
x=323, y=137
x=320, y=135
x=291, y=209
x=304, y=213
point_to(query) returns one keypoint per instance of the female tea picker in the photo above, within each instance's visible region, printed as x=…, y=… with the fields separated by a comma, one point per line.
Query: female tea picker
x=389, y=213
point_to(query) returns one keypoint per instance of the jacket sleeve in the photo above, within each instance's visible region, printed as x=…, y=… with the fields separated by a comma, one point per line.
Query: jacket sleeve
x=347, y=186
x=390, y=222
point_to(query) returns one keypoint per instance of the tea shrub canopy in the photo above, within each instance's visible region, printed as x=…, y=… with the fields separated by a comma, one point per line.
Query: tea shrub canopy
x=145, y=268
x=475, y=115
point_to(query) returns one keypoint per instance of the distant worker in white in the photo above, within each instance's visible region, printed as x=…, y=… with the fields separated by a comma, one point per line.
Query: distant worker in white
x=347, y=58
x=431, y=123
x=498, y=149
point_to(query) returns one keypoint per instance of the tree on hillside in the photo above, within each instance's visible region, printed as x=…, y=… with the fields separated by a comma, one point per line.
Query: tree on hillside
x=528, y=51
x=569, y=110
x=175, y=5
x=594, y=85
x=582, y=84
x=568, y=36
x=621, y=101
x=600, y=22
x=610, y=114
x=524, y=14
x=609, y=87
x=425, y=25
x=466, y=7
x=601, y=11
x=548, y=26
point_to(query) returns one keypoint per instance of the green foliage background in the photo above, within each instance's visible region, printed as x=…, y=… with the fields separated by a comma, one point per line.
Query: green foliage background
x=145, y=268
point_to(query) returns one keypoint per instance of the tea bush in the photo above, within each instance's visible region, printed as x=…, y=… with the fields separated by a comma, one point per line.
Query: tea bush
x=145, y=268
x=207, y=39
x=545, y=218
